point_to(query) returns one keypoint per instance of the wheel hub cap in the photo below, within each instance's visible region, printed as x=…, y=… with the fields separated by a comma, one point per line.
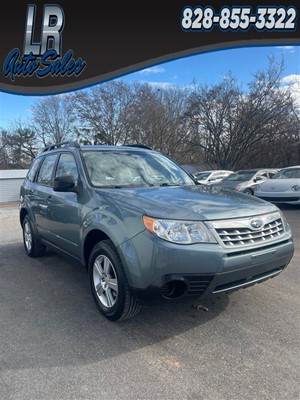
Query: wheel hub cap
x=105, y=281
x=27, y=236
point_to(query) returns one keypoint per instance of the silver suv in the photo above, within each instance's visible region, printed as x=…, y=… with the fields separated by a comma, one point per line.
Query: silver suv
x=144, y=229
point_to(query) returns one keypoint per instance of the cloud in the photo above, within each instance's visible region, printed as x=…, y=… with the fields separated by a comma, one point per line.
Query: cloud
x=161, y=85
x=290, y=79
x=288, y=49
x=152, y=70
x=293, y=82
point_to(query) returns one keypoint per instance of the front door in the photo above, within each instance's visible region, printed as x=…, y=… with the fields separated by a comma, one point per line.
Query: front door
x=64, y=211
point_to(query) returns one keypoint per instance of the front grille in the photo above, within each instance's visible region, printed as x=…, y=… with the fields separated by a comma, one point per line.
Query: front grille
x=234, y=233
x=241, y=252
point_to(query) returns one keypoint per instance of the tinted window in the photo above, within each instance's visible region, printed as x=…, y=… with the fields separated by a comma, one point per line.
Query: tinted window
x=67, y=166
x=33, y=170
x=45, y=174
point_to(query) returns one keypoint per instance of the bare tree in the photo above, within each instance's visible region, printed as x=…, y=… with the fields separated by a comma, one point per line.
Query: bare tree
x=223, y=124
x=4, y=160
x=157, y=120
x=102, y=113
x=229, y=125
x=53, y=119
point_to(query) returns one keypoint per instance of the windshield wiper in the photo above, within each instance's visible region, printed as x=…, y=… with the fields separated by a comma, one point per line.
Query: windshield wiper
x=132, y=186
x=169, y=184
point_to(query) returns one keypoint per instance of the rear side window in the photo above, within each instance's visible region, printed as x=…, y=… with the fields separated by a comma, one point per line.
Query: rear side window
x=46, y=171
x=33, y=169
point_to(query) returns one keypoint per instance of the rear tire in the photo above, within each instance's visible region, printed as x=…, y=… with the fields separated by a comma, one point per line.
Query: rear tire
x=109, y=284
x=33, y=246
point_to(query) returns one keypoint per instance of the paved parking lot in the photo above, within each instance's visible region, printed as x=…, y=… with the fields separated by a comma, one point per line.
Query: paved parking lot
x=54, y=344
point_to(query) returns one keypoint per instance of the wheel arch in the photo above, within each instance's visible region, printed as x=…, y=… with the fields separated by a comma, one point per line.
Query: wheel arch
x=92, y=238
x=22, y=215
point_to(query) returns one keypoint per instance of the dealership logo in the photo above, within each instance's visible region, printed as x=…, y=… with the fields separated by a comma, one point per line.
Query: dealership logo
x=256, y=223
x=43, y=58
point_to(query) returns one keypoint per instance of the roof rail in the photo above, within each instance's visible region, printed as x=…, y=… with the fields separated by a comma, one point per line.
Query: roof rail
x=69, y=143
x=141, y=146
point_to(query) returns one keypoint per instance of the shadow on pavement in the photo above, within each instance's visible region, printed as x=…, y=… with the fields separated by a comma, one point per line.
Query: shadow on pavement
x=48, y=317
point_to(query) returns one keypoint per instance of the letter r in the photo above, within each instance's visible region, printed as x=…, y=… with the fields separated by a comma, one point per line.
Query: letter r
x=53, y=24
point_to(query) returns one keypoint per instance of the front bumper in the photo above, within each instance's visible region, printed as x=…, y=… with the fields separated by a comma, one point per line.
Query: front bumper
x=282, y=197
x=198, y=269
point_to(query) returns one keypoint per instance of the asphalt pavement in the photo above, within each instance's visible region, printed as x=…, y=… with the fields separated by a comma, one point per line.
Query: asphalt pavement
x=55, y=345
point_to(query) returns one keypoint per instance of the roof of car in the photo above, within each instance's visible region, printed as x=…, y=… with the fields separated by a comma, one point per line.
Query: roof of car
x=72, y=144
x=108, y=147
x=293, y=166
x=258, y=169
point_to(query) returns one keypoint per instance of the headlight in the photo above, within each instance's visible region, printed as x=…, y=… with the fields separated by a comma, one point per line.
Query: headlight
x=286, y=225
x=181, y=232
x=295, y=188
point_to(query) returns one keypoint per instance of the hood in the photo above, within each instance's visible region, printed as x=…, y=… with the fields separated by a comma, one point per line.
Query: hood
x=278, y=185
x=201, y=202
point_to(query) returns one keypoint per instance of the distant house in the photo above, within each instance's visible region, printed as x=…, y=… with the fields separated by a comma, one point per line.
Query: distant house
x=10, y=183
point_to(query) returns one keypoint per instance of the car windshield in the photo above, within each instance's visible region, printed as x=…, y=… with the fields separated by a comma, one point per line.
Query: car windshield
x=133, y=169
x=289, y=173
x=240, y=176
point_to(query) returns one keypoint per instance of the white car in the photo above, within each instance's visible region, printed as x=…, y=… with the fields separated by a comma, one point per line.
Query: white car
x=212, y=176
x=283, y=187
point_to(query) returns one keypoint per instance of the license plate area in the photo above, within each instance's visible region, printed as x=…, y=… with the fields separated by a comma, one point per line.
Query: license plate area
x=263, y=257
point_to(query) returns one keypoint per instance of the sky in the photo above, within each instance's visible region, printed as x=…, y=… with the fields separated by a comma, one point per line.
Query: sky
x=210, y=68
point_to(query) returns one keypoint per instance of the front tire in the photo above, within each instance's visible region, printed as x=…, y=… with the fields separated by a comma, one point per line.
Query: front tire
x=109, y=283
x=33, y=246
x=249, y=191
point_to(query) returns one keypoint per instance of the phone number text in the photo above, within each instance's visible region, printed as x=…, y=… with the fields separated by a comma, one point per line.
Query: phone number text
x=239, y=18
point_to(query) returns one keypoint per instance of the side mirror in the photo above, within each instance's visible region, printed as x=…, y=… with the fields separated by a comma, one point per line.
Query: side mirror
x=65, y=183
x=258, y=178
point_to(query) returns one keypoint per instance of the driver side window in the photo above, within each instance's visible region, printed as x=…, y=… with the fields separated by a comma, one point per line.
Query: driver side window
x=67, y=166
x=45, y=173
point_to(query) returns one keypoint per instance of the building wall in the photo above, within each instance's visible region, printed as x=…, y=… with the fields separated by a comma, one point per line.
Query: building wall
x=10, y=183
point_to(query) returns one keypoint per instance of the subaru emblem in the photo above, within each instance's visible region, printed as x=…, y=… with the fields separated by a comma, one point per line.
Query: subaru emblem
x=256, y=223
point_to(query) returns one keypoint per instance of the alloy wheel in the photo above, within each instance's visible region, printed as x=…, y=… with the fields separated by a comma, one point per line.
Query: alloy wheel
x=105, y=281
x=27, y=236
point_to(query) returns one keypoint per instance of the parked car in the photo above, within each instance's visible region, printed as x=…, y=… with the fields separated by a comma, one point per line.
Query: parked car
x=189, y=168
x=284, y=187
x=246, y=180
x=144, y=229
x=211, y=176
